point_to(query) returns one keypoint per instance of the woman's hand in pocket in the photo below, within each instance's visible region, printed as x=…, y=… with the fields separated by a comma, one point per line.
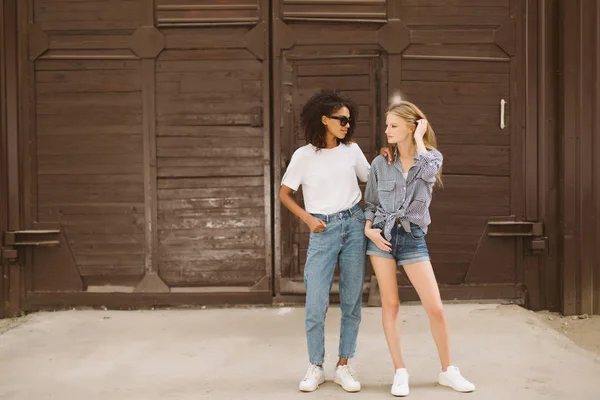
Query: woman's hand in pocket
x=315, y=224
x=378, y=239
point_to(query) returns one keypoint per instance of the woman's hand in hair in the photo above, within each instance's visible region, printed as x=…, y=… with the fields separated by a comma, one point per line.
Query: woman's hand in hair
x=421, y=129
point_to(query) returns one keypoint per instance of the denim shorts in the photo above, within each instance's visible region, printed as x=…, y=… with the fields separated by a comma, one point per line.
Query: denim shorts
x=407, y=247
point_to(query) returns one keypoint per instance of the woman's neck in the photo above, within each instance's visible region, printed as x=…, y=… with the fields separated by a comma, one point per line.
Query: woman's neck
x=406, y=148
x=330, y=141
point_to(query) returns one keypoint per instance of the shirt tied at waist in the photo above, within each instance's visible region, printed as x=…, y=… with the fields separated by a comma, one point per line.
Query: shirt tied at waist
x=391, y=220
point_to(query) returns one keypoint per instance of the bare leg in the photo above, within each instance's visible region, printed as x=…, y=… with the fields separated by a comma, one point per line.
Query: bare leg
x=423, y=279
x=385, y=270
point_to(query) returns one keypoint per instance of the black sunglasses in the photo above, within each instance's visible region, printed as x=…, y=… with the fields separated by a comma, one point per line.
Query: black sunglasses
x=343, y=119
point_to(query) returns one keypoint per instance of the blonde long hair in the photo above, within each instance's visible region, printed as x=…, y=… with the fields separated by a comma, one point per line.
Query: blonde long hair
x=411, y=114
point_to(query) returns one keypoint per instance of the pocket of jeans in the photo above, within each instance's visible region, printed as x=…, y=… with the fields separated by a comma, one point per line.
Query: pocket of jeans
x=359, y=216
x=385, y=190
x=324, y=229
x=416, y=232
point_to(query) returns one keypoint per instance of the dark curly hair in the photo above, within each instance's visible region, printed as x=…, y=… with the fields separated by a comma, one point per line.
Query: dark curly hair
x=326, y=102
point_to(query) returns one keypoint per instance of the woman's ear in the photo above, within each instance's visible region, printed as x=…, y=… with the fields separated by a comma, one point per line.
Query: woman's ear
x=324, y=120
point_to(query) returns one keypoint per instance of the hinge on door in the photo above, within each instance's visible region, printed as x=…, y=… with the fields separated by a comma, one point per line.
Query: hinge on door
x=11, y=240
x=8, y=254
x=31, y=238
x=510, y=227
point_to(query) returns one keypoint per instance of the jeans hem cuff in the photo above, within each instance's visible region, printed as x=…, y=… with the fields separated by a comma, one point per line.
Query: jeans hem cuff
x=413, y=260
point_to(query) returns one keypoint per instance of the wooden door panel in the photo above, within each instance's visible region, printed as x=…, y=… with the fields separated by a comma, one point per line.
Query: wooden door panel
x=150, y=144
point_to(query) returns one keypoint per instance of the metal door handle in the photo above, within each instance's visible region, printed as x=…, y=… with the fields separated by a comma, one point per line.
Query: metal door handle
x=502, y=104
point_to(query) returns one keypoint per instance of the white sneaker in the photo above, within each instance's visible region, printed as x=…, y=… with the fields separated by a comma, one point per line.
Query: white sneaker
x=400, y=385
x=313, y=378
x=345, y=377
x=455, y=380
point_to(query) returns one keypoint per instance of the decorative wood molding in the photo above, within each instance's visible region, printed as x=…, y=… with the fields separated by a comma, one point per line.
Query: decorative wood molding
x=504, y=36
x=394, y=37
x=38, y=41
x=283, y=36
x=256, y=40
x=147, y=42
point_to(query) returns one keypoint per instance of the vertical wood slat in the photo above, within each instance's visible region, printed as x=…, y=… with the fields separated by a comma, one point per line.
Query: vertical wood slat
x=12, y=277
x=267, y=126
x=587, y=216
x=3, y=165
x=528, y=159
x=28, y=128
x=596, y=107
x=151, y=282
x=149, y=129
x=548, y=148
x=579, y=188
x=571, y=257
x=11, y=53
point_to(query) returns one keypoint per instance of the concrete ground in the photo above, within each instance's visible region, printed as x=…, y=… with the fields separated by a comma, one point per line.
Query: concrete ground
x=508, y=352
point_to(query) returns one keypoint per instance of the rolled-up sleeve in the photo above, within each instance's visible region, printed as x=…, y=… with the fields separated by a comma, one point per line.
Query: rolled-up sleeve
x=371, y=195
x=294, y=172
x=361, y=166
x=429, y=164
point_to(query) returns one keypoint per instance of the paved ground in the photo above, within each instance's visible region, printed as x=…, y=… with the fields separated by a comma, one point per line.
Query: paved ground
x=260, y=354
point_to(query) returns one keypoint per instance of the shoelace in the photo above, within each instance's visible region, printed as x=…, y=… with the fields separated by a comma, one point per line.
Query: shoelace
x=349, y=371
x=397, y=379
x=312, y=372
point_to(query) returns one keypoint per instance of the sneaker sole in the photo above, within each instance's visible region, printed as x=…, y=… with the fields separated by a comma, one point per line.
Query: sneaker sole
x=452, y=387
x=335, y=380
x=322, y=381
x=400, y=395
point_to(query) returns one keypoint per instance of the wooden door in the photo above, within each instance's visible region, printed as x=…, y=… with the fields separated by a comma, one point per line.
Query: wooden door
x=147, y=169
x=461, y=62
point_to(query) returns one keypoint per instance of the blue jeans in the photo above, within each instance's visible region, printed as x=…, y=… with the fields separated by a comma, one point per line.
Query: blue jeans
x=343, y=241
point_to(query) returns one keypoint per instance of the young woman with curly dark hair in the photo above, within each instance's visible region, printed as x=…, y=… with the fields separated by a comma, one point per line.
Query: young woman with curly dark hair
x=328, y=168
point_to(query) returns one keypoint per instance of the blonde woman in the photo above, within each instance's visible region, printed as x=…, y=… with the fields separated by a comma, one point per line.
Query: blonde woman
x=397, y=200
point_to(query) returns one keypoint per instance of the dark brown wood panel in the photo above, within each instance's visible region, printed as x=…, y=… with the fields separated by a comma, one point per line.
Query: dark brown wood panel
x=90, y=180
x=452, y=13
x=87, y=15
x=458, y=71
x=198, y=13
x=211, y=169
x=318, y=10
x=150, y=145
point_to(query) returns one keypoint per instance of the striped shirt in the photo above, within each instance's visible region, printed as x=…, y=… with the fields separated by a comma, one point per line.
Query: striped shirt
x=390, y=198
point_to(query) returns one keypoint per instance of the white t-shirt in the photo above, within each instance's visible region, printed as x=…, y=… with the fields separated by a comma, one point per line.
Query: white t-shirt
x=328, y=177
